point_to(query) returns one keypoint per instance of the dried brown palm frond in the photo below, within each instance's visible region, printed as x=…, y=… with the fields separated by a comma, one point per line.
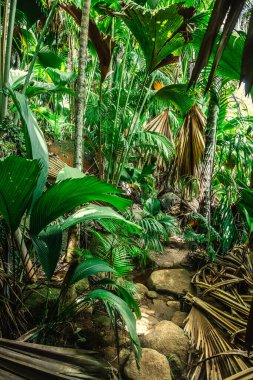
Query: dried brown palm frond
x=161, y=125
x=218, y=357
x=219, y=318
x=20, y=360
x=190, y=146
x=55, y=165
x=246, y=374
x=12, y=319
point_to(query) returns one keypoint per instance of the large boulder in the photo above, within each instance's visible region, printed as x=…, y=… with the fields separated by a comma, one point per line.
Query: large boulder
x=153, y=366
x=172, y=258
x=163, y=310
x=169, y=200
x=170, y=281
x=167, y=338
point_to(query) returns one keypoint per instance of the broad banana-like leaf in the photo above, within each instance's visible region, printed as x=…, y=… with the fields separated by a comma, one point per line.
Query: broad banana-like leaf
x=18, y=180
x=88, y=268
x=36, y=146
x=48, y=248
x=98, y=213
x=177, y=95
x=113, y=301
x=161, y=33
x=64, y=196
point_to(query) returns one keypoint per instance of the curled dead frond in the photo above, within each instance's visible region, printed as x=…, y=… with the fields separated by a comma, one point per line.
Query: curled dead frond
x=219, y=316
x=160, y=124
x=190, y=146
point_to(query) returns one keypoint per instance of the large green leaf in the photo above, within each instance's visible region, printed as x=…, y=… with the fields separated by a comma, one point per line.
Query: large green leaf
x=177, y=95
x=161, y=33
x=131, y=302
x=122, y=308
x=99, y=213
x=66, y=195
x=18, y=179
x=48, y=248
x=36, y=146
x=88, y=268
x=60, y=78
x=47, y=88
x=49, y=58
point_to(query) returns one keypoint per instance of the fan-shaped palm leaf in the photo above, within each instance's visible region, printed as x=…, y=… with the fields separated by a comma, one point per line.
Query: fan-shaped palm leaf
x=160, y=32
x=190, y=145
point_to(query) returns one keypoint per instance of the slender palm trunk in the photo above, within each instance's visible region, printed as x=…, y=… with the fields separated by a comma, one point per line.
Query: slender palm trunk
x=81, y=86
x=74, y=236
x=9, y=20
x=208, y=161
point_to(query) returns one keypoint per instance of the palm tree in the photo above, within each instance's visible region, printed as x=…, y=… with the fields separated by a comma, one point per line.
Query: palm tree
x=209, y=153
x=80, y=91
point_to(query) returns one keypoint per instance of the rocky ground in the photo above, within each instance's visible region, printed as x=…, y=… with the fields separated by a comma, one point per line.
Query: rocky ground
x=164, y=343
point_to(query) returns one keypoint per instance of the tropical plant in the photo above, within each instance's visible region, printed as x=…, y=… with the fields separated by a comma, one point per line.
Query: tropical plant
x=17, y=195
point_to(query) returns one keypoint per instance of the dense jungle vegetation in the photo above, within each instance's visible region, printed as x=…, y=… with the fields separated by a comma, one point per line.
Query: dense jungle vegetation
x=126, y=189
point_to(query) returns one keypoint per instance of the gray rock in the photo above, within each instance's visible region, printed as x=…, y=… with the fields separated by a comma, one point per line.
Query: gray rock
x=141, y=290
x=162, y=311
x=169, y=200
x=173, y=307
x=137, y=212
x=167, y=338
x=151, y=294
x=172, y=258
x=179, y=318
x=153, y=366
x=147, y=321
x=171, y=281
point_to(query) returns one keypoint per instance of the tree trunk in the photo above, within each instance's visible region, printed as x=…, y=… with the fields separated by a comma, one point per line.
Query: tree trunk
x=208, y=160
x=74, y=233
x=80, y=91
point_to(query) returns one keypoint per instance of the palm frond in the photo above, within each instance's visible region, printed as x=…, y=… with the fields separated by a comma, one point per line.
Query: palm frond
x=190, y=146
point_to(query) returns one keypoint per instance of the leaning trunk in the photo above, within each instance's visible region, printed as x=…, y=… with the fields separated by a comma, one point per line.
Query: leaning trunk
x=208, y=160
x=80, y=91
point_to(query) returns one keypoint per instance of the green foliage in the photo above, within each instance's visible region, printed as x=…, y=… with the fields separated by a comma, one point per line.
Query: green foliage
x=36, y=147
x=160, y=48
x=178, y=95
x=88, y=268
x=114, y=303
x=18, y=180
x=48, y=246
x=64, y=196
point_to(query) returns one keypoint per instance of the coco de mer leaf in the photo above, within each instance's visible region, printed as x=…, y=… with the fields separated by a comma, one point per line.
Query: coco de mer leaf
x=177, y=95
x=161, y=33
